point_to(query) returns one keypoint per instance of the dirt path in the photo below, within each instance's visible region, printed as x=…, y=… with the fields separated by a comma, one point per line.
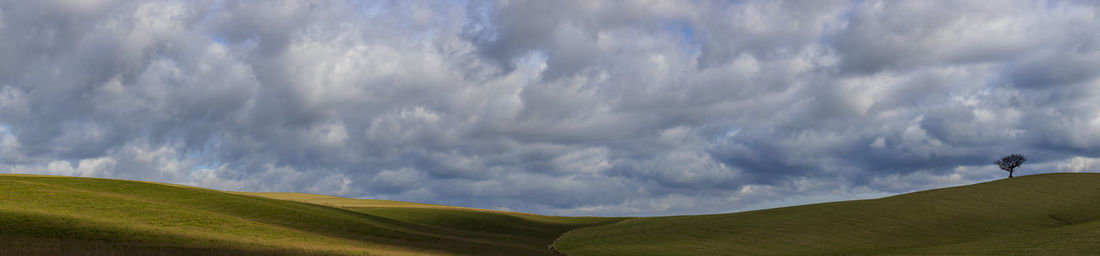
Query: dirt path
x=553, y=245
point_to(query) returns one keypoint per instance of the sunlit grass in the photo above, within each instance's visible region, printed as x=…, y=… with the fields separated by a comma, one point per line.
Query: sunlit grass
x=60, y=215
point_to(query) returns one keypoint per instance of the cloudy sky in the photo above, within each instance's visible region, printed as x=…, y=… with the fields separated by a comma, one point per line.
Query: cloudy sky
x=554, y=107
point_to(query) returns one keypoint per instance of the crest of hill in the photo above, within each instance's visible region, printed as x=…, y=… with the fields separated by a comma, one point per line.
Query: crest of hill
x=344, y=202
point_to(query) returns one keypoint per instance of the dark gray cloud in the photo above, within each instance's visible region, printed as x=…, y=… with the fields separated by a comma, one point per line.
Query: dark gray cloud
x=563, y=107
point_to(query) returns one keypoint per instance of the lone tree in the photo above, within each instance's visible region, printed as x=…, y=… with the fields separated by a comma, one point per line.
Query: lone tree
x=1010, y=162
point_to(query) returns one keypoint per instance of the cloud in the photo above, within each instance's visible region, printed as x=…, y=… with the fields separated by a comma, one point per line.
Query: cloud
x=1079, y=164
x=568, y=107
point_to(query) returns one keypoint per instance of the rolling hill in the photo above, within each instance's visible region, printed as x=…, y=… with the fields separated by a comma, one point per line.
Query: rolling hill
x=1049, y=214
x=48, y=215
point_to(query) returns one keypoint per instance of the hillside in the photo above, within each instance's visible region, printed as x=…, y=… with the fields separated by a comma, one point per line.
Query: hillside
x=526, y=230
x=47, y=215
x=1048, y=214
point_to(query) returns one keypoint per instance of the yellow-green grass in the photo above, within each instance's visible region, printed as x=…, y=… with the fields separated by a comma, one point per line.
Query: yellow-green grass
x=344, y=202
x=47, y=215
x=1048, y=214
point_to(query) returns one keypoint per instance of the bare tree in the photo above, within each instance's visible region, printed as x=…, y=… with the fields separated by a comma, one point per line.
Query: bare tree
x=1010, y=162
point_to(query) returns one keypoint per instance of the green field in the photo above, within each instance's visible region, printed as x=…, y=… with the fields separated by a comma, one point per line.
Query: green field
x=47, y=215
x=1049, y=214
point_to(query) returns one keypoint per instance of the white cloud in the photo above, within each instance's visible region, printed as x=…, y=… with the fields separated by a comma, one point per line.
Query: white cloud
x=92, y=167
x=13, y=101
x=590, y=161
x=330, y=135
x=400, y=179
x=639, y=107
x=879, y=143
x=1079, y=164
x=407, y=126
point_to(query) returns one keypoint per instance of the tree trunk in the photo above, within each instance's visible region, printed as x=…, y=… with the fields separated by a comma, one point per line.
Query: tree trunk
x=1010, y=174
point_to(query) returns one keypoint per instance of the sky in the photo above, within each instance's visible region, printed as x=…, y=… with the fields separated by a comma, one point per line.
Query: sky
x=634, y=108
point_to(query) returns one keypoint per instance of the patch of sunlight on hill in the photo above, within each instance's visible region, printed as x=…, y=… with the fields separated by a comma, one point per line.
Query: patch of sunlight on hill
x=61, y=215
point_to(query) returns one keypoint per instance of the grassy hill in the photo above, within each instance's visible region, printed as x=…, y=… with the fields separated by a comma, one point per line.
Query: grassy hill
x=48, y=215
x=1048, y=214
x=534, y=232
